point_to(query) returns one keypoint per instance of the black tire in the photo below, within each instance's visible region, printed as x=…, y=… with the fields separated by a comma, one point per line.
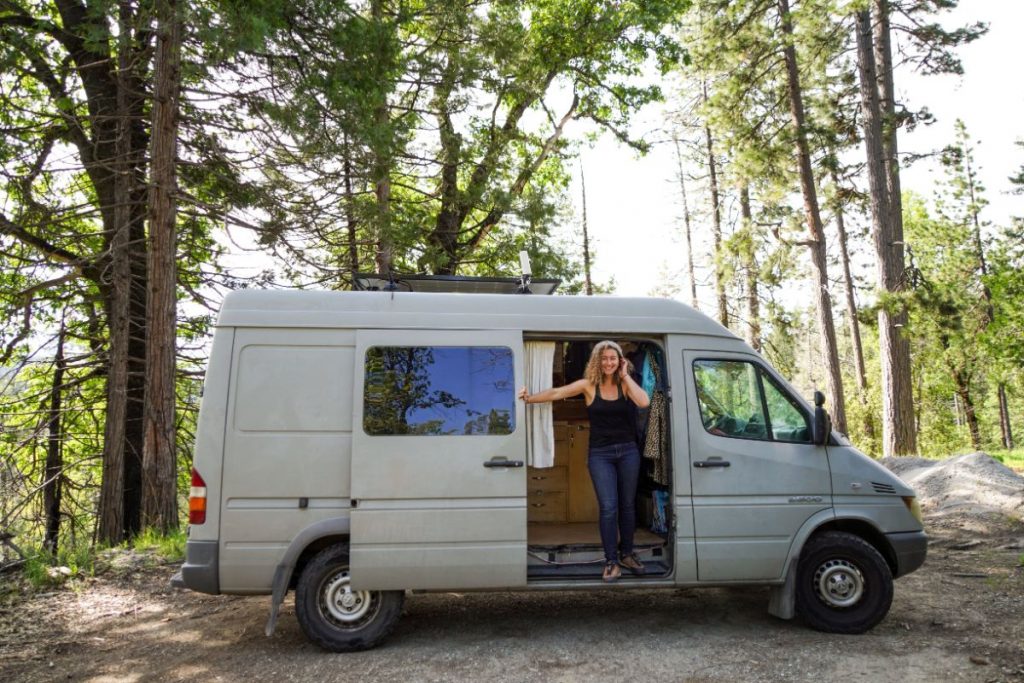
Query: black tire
x=844, y=585
x=337, y=618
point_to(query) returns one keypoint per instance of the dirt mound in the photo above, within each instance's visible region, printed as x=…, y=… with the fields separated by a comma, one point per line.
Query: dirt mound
x=973, y=483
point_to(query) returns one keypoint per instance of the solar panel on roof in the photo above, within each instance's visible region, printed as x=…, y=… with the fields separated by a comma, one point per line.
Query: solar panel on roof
x=451, y=284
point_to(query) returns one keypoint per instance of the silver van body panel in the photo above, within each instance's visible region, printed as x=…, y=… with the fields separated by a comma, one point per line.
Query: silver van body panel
x=430, y=513
x=283, y=454
x=606, y=315
x=746, y=515
x=288, y=442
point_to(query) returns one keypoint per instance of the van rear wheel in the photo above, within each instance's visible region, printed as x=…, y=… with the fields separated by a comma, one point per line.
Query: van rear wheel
x=334, y=616
x=844, y=585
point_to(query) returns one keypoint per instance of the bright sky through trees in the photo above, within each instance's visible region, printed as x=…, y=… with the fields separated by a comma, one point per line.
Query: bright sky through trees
x=632, y=202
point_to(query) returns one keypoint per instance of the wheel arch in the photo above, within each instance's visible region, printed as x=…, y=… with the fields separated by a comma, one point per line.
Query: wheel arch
x=866, y=530
x=303, y=547
x=782, y=603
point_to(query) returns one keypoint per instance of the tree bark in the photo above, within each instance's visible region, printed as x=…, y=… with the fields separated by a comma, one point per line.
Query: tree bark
x=851, y=314
x=382, y=159
x=159, y=501
x=350, y=214
x=963, y=390
x=750, y=272
x=716, y=222
x=898, y=426
x=979, y=248
x=118, y=278
x=587, y=282
x=53, y=473
x=816, y=243
x=688, y=232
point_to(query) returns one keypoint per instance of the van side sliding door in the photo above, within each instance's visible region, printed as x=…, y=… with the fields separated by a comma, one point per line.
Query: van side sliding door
x=756, y=475
x=438, y=460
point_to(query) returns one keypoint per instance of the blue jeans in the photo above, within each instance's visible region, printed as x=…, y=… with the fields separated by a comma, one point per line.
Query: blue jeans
x=615, y=470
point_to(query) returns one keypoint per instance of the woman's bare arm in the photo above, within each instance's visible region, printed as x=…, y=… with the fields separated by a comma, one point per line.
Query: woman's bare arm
x=556, y=393
x=635, y=392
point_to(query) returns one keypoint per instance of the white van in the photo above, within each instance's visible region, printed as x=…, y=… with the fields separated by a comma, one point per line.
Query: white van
x=356, y=445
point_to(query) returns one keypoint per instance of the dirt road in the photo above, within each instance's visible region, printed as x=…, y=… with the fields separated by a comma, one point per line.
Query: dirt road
x=959, y=618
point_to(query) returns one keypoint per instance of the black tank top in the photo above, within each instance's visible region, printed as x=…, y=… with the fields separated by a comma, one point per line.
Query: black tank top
x=611, y=422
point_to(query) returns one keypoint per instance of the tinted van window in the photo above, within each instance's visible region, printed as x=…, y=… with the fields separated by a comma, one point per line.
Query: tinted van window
x=739, y=399
x=438, y=390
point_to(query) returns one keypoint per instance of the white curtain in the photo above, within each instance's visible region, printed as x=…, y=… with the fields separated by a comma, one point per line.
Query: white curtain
x=540, y=426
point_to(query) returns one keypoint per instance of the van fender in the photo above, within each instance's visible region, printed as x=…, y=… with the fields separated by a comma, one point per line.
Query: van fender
x=782, y=601
x=335, y=526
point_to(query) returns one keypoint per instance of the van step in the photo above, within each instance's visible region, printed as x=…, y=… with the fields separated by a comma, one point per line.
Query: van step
x=652, y=570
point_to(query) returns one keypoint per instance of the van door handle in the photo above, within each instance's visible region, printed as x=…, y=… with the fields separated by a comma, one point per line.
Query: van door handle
x=502, y=462
x=711, y=463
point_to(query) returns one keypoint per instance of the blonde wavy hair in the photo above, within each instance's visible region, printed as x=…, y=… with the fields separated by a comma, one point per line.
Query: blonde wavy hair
x=593, y=371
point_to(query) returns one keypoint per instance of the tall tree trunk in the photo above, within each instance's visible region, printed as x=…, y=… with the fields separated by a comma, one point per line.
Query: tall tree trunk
x=350, y=213
x=716, y=222
x=898, y=425
x=979, y=248
x=1004, y=417
x=750, y=271
x=963, y=390
x=687, y=229
x=159, y=501
x=587, y=282
x=118, y=280
x=385, y=255
x=816, y=243
x=851, y=314
x=53, y=473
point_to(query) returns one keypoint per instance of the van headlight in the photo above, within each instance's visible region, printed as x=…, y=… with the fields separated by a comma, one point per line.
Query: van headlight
x=914, y=507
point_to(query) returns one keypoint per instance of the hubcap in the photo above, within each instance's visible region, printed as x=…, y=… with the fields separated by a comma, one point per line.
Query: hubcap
x=839, y=583
x=340, y=604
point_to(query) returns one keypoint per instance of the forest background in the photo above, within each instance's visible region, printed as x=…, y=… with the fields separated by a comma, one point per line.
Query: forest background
x=158, y=154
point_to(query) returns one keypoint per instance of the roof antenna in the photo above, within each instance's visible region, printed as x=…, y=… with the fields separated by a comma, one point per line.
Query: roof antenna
x=525, y=275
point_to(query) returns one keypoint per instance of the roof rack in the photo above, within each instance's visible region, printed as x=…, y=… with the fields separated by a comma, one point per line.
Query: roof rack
x=377, y=282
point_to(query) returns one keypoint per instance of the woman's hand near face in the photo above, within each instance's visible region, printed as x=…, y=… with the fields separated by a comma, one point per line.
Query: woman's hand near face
x=623, y=368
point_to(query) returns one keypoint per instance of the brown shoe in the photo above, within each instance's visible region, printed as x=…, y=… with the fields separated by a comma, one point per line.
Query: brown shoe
x=611, y=572
x=632, y=563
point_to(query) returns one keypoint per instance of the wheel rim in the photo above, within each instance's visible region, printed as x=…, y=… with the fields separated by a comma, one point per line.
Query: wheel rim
x=344, y=607
x=839, y=583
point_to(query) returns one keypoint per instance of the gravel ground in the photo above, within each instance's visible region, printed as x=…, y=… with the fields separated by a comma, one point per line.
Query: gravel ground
x=958, y=618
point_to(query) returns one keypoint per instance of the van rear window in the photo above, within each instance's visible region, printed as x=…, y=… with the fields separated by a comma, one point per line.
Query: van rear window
x=438, y=390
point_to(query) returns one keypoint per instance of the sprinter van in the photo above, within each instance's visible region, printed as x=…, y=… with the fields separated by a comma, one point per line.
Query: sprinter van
x=353, y=446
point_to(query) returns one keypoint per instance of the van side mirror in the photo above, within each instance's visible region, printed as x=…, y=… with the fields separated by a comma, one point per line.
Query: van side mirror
x=821, y=427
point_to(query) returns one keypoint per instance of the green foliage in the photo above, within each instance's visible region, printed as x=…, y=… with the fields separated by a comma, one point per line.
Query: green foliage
x=42, y=570
x=168, y=548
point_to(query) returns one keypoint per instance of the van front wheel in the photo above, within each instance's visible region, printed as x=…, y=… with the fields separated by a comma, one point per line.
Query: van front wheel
x=844, y=585
x=334, y=616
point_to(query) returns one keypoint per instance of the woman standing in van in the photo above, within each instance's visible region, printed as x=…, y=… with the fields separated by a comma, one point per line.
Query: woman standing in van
x=612, y=397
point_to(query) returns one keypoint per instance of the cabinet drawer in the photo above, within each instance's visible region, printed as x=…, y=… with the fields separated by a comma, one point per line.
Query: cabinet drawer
x=546, y=479
x=546, y=507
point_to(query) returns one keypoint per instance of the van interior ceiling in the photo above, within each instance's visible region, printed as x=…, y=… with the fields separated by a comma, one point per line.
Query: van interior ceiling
x=562, y=511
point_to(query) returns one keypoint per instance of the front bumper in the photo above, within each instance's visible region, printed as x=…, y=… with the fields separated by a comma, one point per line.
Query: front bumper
x=911, y=547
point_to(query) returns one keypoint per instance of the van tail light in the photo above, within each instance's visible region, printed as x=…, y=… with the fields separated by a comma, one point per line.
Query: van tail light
x=197, y=500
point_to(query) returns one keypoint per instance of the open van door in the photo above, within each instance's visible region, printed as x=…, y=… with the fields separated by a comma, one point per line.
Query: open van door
x=756, y=475
x=438, y=474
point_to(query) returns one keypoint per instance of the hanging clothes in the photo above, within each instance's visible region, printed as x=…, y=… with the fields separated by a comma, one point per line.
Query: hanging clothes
x=540, y=425
x=649, y=379
x=655, y=440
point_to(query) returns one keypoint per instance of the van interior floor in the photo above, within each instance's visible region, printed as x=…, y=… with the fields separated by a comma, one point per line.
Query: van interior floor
x=573, y=550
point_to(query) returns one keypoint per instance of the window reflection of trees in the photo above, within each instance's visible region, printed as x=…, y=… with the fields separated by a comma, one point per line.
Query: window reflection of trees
x=408, y=391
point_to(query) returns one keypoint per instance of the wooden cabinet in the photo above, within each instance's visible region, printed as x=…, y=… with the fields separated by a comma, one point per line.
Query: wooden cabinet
x=582, y=499
x=563, y=493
